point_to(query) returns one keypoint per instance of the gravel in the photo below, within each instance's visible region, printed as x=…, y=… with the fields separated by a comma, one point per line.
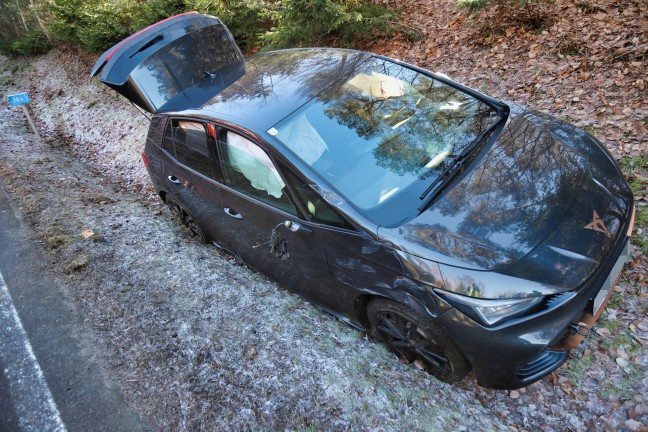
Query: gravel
x=197, y=342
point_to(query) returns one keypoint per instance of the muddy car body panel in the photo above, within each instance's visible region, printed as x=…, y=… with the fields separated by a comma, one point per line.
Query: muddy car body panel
x=463, y=232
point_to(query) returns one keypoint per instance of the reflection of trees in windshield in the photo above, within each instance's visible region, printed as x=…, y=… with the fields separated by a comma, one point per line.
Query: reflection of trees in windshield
x=527, y=173
x=155, y=71
x=269, y=76
x=196, y=58
x=406, y=131
x=397, y=154
x=511, y=200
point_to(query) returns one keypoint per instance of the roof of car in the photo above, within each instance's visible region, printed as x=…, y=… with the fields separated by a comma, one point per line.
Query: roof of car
x=277, y=83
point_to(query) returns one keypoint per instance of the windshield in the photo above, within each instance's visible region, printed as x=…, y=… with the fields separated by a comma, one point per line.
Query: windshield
x=384, y=134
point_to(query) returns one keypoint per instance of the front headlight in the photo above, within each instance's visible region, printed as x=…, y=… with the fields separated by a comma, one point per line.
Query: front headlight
x=490, y=312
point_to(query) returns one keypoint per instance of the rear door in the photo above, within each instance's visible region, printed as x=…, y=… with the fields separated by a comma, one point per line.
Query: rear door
x=191, y=173
x=176, y=64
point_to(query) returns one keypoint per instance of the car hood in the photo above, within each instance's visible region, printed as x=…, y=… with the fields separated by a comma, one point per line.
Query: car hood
x=540, y=183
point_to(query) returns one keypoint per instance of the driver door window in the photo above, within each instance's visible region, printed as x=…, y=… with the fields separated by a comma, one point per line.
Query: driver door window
x=249, y=170
x=318, y=210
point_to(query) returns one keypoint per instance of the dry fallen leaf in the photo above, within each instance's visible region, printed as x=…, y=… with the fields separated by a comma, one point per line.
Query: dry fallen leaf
x=87, y=233
x=602, y=331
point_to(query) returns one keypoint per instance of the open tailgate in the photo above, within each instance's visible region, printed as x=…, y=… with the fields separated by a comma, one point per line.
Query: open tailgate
x=175, y=64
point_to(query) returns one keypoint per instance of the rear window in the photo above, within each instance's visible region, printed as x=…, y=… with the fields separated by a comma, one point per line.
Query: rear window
x=199, y=58
x=382, y=135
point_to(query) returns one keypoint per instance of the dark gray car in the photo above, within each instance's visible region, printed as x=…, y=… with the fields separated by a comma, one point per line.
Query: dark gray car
x=463, y=232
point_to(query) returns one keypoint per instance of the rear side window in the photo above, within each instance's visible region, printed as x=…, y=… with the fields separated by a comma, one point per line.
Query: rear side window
x=189, y=142
x=157, y=129
x=167, y=142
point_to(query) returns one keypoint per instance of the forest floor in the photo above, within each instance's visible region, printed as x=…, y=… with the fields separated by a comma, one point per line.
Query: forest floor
x=197, y=342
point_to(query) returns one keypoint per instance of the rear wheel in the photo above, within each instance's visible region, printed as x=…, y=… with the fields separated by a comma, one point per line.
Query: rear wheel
x=415, y=339
x=184, y=218
x=175, y=209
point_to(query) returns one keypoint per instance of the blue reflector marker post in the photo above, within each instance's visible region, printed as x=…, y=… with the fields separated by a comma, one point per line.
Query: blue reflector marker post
x=22, y=99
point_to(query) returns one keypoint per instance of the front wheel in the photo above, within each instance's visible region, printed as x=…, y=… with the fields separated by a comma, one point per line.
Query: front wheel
x=415, y=339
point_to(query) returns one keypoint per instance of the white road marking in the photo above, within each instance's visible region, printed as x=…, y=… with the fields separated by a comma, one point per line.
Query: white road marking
x=30, y=396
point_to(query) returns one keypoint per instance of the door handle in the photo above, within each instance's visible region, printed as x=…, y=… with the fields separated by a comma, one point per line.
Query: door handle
x=174, y=180
x=232, y=213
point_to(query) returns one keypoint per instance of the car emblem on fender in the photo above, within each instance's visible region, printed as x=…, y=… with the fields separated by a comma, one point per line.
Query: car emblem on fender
x=598, y=225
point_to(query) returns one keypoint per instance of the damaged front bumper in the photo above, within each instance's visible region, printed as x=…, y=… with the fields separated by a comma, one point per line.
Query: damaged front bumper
x=527, y=349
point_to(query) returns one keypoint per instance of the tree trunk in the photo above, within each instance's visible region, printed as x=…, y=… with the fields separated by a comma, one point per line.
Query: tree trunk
x=22, y=17
x=38, y=19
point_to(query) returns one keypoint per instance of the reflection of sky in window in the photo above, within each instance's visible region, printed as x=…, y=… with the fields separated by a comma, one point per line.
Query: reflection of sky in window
x=506, y=238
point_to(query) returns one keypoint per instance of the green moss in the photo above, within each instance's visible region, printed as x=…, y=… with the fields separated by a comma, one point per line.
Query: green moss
x=620, y=389
x=618, y=340
x=615, y=302
x=612, y=325
x=576, y=368
x=635, y=349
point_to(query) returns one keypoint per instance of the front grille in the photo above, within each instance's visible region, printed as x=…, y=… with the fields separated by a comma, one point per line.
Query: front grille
x=545, y=363
x=555, y=300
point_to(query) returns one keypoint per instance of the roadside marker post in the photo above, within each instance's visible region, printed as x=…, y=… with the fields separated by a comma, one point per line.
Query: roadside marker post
x=22, y=99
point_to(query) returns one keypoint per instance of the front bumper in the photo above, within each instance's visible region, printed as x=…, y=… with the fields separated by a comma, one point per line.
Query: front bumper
x=524, y=350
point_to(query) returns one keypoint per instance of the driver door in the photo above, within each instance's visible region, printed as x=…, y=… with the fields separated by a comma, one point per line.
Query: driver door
x=255, y=203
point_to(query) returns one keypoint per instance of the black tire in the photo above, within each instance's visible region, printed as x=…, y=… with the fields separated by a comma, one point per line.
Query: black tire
x=415, y=339
x=175, y=209
x=184, y=218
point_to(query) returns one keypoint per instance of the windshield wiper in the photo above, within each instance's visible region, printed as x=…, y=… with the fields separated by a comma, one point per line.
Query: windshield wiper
x=455, y=167
x=445, y=177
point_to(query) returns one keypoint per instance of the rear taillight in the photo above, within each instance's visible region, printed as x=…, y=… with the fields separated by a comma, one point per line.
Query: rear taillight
x=146, y=161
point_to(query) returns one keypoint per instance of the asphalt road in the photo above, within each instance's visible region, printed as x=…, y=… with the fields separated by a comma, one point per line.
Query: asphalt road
x=51, y=377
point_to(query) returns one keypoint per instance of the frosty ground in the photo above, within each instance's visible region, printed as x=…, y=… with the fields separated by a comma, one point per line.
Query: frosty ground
x=197, y=342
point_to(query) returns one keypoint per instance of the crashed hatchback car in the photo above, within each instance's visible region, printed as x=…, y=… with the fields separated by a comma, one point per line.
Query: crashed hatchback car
x=463, y=232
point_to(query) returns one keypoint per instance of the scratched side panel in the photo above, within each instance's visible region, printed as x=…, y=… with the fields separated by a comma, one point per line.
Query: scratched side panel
x=362, y=266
